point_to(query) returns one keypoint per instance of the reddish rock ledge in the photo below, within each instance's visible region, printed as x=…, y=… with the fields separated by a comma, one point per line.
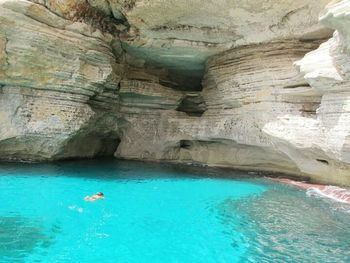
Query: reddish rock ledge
x=328, y=191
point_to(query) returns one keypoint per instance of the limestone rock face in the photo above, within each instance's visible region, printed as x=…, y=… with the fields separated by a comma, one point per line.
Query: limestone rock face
x=244, y=89
x=191, y=31
x=181, y=35
x=241, y=23
x=262, y=112
x=320, y=146
x=56, y=85
x=242, y=84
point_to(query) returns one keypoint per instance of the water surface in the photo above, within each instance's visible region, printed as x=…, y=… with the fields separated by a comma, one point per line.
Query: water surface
x=155, y=213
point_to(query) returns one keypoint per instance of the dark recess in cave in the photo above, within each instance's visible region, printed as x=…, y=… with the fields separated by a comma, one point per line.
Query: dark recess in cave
x=184, y=74
x=192, y=105
x=186, y=144
x=323, y=161
x=90, y=145
x=109, y=146
x=187, y=80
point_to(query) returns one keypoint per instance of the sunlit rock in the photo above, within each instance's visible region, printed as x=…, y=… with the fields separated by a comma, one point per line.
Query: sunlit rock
x=240, y=84
x=320, y=147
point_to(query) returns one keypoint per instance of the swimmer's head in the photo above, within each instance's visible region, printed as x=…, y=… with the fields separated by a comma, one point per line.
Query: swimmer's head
x=100, y=194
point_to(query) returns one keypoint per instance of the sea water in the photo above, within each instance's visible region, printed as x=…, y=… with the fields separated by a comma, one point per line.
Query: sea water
x=157, y=213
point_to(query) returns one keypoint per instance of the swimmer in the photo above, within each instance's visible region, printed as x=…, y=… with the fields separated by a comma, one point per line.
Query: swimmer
x=94, y=197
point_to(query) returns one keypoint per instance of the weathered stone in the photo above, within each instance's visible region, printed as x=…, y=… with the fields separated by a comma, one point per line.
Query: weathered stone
x=320, y=147
x=261, y=112
x=182, y=34
x=244, y=89
x=52, y=79
x=79, y=77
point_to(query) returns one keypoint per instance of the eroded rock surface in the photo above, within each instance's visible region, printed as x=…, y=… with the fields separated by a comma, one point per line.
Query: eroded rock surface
x=181, y=35
x=320, y=146
x=223, y=83
x=58, y=86
x=243, y=90
x=262, y=112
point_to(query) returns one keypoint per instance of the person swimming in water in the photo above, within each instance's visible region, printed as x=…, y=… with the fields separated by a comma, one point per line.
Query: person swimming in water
x=94, y=197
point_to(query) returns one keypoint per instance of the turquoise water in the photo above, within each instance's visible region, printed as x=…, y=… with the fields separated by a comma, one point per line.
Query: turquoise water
x=155, y=213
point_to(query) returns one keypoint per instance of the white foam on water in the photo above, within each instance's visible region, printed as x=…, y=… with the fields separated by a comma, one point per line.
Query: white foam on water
x=102, y=235
x=76, y=208
x=332, y=192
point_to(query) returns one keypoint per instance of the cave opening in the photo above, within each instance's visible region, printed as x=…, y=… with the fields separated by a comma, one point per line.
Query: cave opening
x=89, y=145
x=323, y=161
x=192, y=104
x=186, y=144
x=109, y=146
x=184, y=67
x=187, y=80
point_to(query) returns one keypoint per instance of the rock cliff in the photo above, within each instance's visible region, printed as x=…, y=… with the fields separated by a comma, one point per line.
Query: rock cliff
x=244, y=85
x=59, y=84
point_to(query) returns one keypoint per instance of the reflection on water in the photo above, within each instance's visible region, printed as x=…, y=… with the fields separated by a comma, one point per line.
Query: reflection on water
x=19, y=236
x=290, y=228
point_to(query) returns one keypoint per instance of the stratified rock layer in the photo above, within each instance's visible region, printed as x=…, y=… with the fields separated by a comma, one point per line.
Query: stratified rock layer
x=181, y=35
x=320, y=147
x=263, y=112
x=85, y=78
x=57, y=84
x=244, y=89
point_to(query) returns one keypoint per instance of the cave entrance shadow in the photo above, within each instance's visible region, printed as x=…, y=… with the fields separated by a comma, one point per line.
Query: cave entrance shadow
x=114, y=169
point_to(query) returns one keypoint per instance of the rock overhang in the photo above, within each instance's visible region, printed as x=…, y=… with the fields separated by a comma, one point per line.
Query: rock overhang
x=182, y=35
